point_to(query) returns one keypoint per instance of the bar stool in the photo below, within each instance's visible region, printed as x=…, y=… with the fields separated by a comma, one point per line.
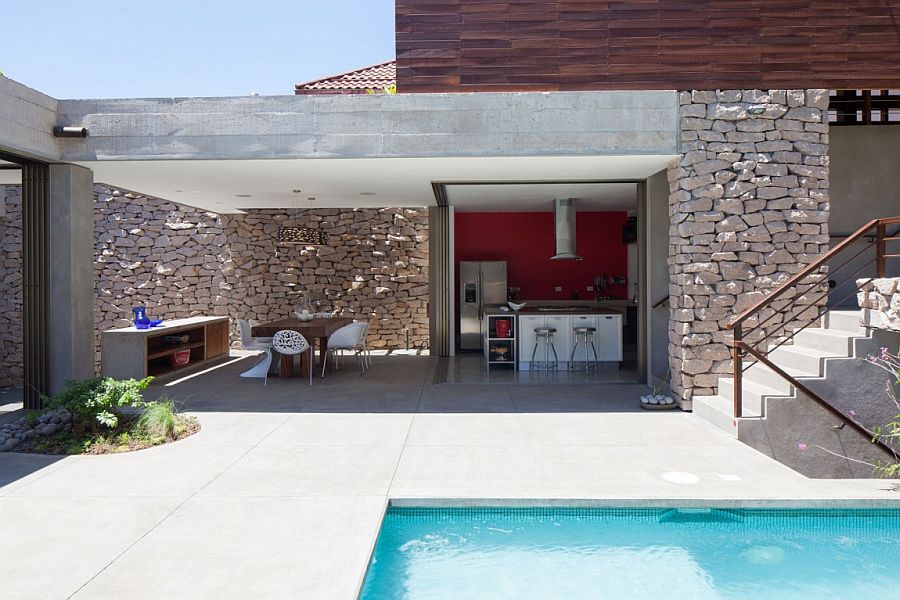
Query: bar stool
x=545, y=335
x=585, y=336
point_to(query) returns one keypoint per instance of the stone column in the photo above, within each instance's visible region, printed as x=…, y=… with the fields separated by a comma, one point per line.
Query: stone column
x=749, y=207
x=71, y=277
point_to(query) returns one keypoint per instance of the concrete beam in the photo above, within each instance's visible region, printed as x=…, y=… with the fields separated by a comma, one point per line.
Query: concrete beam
x=375, y=126
x=27, y=118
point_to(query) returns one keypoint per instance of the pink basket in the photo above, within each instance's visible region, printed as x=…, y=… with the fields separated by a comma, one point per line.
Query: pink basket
x=180, y=358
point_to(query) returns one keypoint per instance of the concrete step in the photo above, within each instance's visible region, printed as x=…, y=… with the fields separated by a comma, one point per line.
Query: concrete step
x=753, y=394
x=828, y=340
x=718, y=412
x=845, y=320
x=760, y=373
x=801, y=358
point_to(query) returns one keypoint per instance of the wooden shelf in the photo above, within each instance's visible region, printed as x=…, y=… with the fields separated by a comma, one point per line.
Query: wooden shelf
x=166, y=369
x=171, y=349
x=129, y=352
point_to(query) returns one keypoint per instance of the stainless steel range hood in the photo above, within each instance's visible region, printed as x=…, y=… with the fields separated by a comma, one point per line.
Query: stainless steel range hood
x=565, y=230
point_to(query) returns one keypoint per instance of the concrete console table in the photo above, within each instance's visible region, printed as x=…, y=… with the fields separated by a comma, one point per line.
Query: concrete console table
x=129, y=352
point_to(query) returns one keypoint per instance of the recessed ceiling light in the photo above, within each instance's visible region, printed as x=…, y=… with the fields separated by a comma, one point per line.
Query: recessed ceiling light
x=296, y=191
x=311, y=198
x=367, y=194
x=243, y=196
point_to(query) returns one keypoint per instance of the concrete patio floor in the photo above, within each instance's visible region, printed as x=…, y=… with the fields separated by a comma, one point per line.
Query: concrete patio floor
x=280, y=494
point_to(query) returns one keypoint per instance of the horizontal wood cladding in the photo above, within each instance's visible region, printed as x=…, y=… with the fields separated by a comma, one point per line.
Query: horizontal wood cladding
x=486, y=45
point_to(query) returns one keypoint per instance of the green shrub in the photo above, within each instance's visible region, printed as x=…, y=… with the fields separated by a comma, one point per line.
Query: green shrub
x=95, y=401
x=157, y=421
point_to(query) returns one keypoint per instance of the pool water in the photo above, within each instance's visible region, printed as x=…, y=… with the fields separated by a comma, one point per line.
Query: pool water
x=585, y=553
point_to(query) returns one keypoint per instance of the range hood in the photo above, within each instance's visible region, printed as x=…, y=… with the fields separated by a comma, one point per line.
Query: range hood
x=565, y=230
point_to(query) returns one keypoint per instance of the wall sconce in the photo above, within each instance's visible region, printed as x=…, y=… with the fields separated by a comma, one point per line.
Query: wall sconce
x=61, y=131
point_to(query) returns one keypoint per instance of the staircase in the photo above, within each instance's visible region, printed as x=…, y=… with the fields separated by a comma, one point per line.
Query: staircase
x=797, y=379
x=805, y=359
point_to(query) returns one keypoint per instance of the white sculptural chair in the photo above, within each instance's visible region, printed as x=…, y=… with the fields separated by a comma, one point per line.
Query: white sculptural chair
x=292, y=342
x=264, y=345
x=349, y=337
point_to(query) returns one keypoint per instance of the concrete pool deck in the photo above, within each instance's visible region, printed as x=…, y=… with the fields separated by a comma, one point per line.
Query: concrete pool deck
x=281, y=493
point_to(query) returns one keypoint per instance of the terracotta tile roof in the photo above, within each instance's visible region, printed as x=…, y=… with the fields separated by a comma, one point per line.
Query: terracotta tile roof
x=354, y=82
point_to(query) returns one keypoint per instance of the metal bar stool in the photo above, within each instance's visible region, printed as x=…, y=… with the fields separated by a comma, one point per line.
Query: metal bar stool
x=545, y=334
x=585, y=336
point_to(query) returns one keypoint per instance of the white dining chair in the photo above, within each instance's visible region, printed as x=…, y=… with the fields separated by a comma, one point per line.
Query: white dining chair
x=263, y=345
x=349, y=337
x=290, y=342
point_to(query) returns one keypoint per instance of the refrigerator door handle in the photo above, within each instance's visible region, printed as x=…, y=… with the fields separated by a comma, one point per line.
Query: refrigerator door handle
x=480, y=299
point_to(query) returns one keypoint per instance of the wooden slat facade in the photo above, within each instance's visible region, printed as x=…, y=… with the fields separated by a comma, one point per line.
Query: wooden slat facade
x=519, y=45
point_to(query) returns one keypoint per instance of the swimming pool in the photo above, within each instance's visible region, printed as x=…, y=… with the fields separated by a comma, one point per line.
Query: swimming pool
x=587, y=553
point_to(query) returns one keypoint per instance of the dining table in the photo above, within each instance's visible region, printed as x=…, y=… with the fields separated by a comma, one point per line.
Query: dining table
x=315, y=329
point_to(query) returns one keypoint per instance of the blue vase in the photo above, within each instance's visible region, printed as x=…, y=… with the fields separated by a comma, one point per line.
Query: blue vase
x=141, y=321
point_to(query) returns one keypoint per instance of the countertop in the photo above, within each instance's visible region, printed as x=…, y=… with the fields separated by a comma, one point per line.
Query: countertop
x=579, y=310
x=168, y=326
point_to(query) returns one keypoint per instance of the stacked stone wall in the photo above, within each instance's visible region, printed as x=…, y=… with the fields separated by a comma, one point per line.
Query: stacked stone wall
x=375, y=267
x=10, y=285
x=749, y=208
x=879, y=300
x=182, y=262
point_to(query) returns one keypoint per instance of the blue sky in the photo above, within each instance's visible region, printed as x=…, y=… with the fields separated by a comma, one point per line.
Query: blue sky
x=165, y=48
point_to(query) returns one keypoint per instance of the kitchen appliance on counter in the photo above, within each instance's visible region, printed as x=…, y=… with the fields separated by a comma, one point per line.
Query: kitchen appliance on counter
x=481, y=285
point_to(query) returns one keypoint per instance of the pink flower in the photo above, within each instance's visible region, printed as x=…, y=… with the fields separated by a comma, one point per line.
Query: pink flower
x=801, y=446
x=885, y=355
x=852, y=413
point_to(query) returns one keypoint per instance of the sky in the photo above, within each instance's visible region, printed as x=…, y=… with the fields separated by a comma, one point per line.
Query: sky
x=166, y=48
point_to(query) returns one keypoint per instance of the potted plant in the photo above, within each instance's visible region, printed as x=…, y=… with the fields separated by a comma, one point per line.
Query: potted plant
x=657, y=400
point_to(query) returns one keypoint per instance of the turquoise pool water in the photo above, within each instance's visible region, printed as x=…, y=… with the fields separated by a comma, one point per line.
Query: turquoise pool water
x=573, y=553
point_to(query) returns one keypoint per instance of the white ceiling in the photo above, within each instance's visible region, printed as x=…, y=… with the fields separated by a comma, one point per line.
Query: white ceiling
x=9, y=176
x=539, y=197
x=226, y=186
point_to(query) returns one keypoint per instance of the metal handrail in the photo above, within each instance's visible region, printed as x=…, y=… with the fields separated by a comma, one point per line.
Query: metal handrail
x=817, y=399
x=813, y=266
x=661, y=302
x=740, y=347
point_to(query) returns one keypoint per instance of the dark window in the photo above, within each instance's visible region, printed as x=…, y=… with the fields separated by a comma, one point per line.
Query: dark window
x=864, y=107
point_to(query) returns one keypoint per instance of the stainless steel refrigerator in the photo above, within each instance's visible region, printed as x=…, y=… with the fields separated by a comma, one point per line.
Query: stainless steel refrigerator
x=481, y=285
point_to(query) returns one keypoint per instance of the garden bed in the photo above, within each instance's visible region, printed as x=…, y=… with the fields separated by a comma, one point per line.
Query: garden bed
x=123, y=439
x=98, y=416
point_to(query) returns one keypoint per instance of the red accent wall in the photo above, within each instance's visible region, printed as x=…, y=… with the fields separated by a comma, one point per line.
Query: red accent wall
x=526, y=241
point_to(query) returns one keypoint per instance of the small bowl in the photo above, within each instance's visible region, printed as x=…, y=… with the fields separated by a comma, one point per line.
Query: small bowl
x=517, y=307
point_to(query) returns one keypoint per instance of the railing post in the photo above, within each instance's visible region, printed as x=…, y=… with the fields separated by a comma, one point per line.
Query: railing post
x=880, y=249
x=738, y=370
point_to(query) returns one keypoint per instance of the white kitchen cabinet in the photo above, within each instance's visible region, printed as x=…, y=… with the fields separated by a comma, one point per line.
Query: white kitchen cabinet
x=580, y=321
x=527, y=324
x=608, y=338
x=561, y=339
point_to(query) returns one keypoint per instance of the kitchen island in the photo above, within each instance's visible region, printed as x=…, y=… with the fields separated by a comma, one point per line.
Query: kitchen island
x=521, y=341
